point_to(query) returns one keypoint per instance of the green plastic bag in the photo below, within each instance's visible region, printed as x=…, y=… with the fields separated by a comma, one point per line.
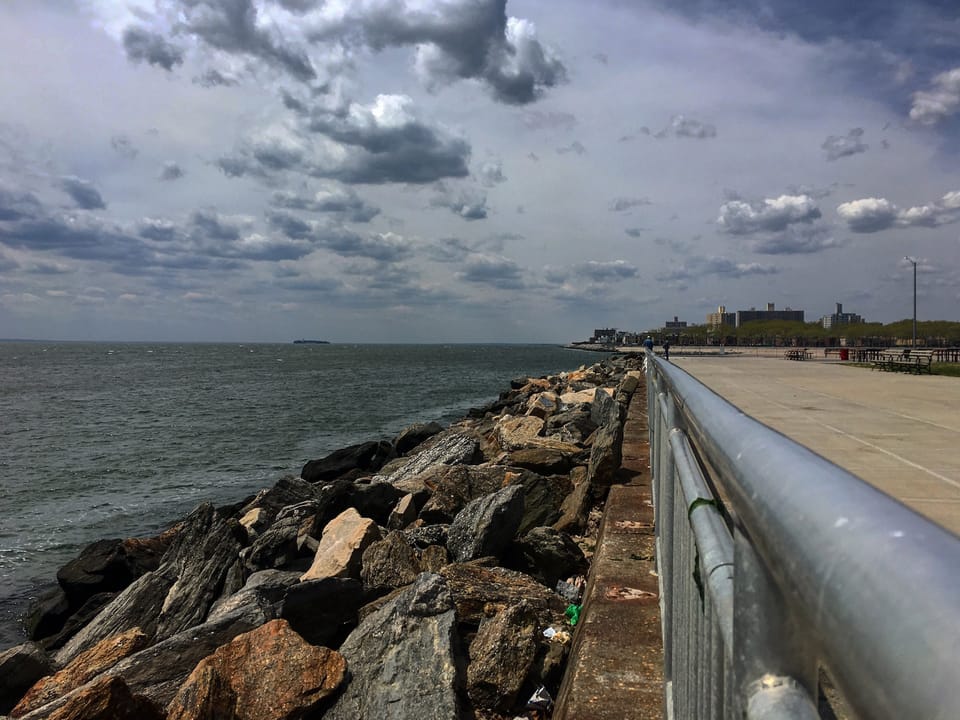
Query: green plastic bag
x=573, y=613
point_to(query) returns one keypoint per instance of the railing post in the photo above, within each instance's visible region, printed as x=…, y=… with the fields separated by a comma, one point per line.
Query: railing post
x=775, y=672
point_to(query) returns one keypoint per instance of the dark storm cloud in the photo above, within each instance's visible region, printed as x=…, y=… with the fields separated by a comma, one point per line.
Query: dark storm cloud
x=79, y=238
x=796, y=240
x=461, y=39
x=232, y=26
x=15, y=205
x=142, y=45
x=626, y=203
x=496, y=271
x=84, y=194
x=123, y=146
x=345, y=204
x=772, y=215
x=171, y=171
x=836, y=147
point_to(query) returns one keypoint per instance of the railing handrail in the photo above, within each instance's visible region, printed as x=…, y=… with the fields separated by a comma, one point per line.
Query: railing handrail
x=877, y=584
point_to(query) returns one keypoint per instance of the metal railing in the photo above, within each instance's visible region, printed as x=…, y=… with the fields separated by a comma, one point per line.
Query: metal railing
x=774, y=562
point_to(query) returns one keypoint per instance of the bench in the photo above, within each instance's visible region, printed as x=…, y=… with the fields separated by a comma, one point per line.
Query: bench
x=909, y=360
x=797, y=354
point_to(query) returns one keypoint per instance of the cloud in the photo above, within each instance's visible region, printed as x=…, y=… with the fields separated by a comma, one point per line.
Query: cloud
x=836, y=147
x=491, y=173
x=699, y=266
x=574, y=147
x=142, y=45
x=215, y=78
x=869, y=215
x=208, y=223
x=17, y=205
x=171, y=171
x=342, y=203
x=626, y=203
x=796, y=240
x=233, y=26
x=457, y=39
x=84, y=194
x=635, y=232
x=772, y=215
x=601, y=58
x=123, y=146
x=385, y=247
x=540, y=120
x=612, y=271
x=494, y=270
x=465, y=202
x=158, y=229
x=940, y=102
x=685, y=127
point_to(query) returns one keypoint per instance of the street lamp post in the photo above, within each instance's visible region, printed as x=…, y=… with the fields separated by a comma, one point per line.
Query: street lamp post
x=914, y=262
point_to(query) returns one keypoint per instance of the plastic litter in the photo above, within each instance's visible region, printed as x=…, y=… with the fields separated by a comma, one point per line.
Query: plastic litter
x=540, y=700
x=549, y=633
x=568, y=591
x=573, y=614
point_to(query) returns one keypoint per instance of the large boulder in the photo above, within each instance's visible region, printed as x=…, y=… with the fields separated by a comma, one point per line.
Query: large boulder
x=478, y=591
x=605, y=458
x=281, y=544
x=402, y=659
x=575, y=507
x=501, y=656
x=413, y=435
x=547, y=555
x=287, y=491
x=543, y=460
x=367, y=456
x=20, y=667
x=341, y=547
x=270, y=672
x=604, y=410
x=447, y=448
x=513, y=433
x=322, y=611
x=107, y=697
x=543, y=498
x=389, y=563
x=454, y=486
x=486, y=525
x=543, y=405
x=86, y=666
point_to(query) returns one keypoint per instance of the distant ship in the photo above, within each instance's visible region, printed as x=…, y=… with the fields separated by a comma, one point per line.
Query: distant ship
x=311, y=342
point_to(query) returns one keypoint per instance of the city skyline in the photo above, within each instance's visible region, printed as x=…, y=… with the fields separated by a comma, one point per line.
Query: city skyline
x=470, y=170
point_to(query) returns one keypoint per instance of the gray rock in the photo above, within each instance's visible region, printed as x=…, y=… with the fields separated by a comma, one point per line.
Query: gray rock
x=605, y=458
x=486, y=525
x=576, y=505
x=455, y=485
x=547, y=555
x=287, y=491
x=278, y=546
x=604, y=409
x=477, y=591
x=320, y=610
x=451, y=448
x=401, y=659
x=543, y=499
x=20, y=667
x=422, y=537
x=78, y=620
x=368, y=456
x=105, y=566
x=410, y=437
x=47, y=614
x=389, y=563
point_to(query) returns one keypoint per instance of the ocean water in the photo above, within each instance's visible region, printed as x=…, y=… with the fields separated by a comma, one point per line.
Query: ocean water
x=121, y=440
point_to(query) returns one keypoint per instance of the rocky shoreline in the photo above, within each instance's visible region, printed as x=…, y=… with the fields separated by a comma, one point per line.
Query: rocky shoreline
x=431, y=576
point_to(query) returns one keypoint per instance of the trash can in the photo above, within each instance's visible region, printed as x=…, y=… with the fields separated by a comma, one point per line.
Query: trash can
x=844, y=354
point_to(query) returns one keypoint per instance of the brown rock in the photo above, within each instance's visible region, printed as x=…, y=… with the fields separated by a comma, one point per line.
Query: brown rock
x=341, y=547
x=86, y=666
x=403, y=514
x=514, y=433
x=543, y=405
x=270, y=672
x=107, y=699
x=501, y=656
x=389, y=563
x=433, y=558
x=576, y=506
x=480, y=591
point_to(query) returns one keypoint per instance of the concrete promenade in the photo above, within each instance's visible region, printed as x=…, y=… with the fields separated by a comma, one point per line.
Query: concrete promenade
x=899, y=432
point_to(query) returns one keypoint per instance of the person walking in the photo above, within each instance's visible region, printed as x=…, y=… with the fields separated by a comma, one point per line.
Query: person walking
x=648, y=343
x=666, y=349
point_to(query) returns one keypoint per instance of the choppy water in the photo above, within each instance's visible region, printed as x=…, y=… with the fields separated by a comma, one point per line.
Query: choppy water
x=119, y=440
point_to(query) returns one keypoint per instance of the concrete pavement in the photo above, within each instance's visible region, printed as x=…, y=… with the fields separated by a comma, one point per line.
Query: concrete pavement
x=899, y=432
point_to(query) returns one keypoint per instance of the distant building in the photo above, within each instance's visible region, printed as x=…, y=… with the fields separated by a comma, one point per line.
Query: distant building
x=604, y=336
x=721, y=317
x=840, y=318
x=771, y=313
x=675, y=324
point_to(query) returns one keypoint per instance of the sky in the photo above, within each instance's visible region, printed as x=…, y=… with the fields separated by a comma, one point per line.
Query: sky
x=471, y=170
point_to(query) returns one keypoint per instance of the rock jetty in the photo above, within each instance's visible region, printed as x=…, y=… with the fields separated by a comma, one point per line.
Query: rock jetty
x=410, y=579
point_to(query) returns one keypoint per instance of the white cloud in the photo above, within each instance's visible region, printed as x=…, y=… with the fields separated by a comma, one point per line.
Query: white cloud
x=869, y=215
x=940, y=102
x=772, y=215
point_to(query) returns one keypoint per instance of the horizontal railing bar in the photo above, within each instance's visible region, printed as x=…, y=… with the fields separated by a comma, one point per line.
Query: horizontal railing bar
x=877, y=583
